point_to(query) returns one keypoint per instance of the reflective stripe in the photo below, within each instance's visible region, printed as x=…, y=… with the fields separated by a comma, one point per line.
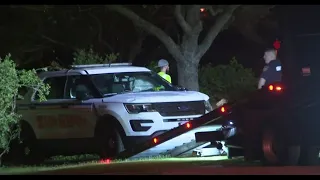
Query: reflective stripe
x=53, y=105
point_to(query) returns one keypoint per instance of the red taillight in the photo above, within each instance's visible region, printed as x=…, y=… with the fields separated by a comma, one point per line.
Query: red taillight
x=223, y=109
x=155, y=140
x=188, y=125
x=271, y=87
x=274, y=88
x=278, y=88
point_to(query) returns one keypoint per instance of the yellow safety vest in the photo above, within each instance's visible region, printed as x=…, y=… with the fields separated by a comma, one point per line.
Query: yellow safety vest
x=165, y=76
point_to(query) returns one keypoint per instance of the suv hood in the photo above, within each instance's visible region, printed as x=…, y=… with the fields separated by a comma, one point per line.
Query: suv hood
x=158, y=96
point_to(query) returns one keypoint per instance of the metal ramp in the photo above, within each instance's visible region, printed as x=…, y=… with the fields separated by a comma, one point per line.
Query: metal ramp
x=183, y=144
x=169, y=143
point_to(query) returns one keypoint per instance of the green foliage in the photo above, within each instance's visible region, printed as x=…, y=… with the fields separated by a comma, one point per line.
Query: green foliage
x=11, y=80
x=230, y=81
x=83, y=56
x=54, y=66
x=153, y=66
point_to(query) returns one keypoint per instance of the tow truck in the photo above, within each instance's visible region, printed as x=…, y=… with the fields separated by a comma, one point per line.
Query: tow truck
x=278, y=124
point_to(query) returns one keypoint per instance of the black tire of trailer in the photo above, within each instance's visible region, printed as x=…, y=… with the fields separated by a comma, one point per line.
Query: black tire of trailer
x=275, y=150
x=25, y=150
x=110, y=137
x=309, y=156
x=234, y=152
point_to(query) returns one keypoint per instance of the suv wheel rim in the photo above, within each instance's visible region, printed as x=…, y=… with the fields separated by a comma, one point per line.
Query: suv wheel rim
x=111, y=143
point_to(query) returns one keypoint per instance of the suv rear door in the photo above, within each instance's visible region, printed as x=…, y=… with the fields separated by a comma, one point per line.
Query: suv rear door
x=46, y=113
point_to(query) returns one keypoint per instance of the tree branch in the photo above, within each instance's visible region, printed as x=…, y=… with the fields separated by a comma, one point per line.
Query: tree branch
x=248, y=19
x=136, y=48
x=172, y=47
x=88, y=9
x=52, y=40
x=100, y=30
x=249, y=31
x=56, y=42
x=156, y=10
x=181, y=21
x=215, y=29
x=213, y=12
x=35, y=48
x=40, y=8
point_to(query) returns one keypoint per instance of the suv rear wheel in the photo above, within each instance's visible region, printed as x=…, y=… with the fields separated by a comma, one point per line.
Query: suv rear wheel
x=26, y=151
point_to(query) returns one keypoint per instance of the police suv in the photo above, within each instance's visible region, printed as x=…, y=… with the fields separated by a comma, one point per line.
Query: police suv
x=102, y=109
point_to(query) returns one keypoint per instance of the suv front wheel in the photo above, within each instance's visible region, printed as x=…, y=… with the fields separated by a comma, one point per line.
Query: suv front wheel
x=110, y=143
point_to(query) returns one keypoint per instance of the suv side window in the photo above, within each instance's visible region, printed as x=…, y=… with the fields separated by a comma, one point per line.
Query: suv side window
x=56, y=90
x=77, y=82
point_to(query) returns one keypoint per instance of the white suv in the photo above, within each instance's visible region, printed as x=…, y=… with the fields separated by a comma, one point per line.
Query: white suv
x=103, y=109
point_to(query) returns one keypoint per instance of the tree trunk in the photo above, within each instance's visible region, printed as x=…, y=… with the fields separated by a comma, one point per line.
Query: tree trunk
x=135, y=48
x=189, y=53
x=188, y=73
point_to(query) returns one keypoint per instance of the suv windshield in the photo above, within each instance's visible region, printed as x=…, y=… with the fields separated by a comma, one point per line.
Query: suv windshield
x=116, y=83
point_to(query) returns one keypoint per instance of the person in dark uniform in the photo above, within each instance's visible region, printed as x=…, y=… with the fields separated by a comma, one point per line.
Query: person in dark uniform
x=272, y=71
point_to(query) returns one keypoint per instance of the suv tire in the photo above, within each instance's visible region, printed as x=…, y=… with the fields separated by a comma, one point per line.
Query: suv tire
x=26, y=149
x=110, y=143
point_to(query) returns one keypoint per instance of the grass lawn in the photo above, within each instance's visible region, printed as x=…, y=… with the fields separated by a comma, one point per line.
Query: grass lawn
x=73, y=165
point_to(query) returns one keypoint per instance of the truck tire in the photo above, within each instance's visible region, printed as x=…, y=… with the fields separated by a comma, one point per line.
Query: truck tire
x=234, y=152
x=25, y=150
x=275, y=149
x=309, y=156
x=110, y=143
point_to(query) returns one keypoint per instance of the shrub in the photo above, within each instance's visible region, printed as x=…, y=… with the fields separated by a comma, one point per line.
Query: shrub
x=230, y=81
x=11, y=80
x=153, y=66
x=83, y=56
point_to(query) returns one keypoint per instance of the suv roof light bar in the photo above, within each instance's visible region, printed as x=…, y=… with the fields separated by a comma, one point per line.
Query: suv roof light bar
x=100, y=65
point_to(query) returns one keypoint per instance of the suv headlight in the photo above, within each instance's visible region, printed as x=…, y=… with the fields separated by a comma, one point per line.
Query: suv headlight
x=208, y=106
x=137, y=108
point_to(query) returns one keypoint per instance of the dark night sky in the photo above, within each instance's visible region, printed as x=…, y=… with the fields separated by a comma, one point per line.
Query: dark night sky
x=228, y=44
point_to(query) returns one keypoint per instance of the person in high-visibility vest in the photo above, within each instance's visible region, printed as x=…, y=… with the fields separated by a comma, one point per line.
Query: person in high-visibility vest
x=164, y=68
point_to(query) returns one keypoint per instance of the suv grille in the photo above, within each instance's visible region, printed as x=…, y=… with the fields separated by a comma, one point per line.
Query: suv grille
x=180, y=108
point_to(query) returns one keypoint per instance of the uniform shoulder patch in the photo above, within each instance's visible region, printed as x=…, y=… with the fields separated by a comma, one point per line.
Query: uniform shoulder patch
x=278, y=68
